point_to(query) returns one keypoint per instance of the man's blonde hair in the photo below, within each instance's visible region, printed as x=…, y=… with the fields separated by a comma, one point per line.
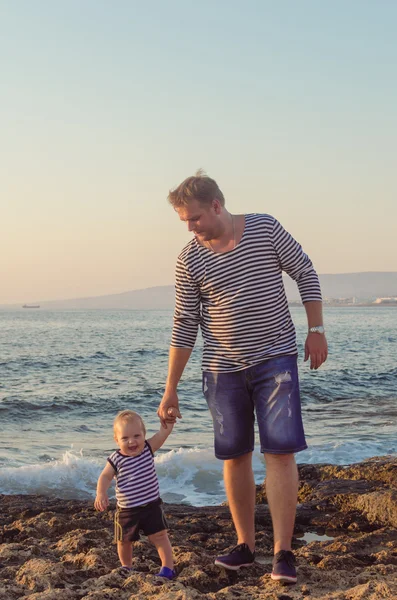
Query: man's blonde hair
x=128, y=416
x=198, y=187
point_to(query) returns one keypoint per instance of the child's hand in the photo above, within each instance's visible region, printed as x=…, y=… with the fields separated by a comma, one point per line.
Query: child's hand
x=169, y=401
x=101, y=502
x=173, y=412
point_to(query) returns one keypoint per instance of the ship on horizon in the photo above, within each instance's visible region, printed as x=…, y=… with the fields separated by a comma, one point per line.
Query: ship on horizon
x=31, y=306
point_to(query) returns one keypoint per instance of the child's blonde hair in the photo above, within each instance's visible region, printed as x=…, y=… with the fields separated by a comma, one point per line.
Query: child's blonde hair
x=126, y=416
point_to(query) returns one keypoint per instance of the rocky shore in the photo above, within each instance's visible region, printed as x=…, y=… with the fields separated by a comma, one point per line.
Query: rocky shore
x=345, y=544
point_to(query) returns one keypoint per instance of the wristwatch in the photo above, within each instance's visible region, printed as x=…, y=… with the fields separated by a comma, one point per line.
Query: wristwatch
x=318, y=329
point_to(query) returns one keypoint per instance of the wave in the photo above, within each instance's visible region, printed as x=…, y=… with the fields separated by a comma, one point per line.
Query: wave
x=17, y=408
x=12, y=408
x=188, y=476
x=63, y=360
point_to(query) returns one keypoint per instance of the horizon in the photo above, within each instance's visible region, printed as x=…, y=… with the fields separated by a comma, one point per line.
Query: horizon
x=287, y=106
x=153, y=287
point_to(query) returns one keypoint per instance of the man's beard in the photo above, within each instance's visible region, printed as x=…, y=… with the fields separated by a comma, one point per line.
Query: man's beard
x=205, y=236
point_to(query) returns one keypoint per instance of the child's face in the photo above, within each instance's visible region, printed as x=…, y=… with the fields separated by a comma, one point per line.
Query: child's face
x=130, y=437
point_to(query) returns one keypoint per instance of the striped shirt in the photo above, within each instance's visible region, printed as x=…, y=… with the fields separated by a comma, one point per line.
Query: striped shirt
x=238, y=297
x=136, y=479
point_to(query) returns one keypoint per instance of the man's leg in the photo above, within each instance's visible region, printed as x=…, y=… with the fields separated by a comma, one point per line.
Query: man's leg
x=240, y=491
x=282, y=495
x=232, y=413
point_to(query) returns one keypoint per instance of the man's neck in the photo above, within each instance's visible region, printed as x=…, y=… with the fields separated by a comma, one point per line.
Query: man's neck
x=226, y=240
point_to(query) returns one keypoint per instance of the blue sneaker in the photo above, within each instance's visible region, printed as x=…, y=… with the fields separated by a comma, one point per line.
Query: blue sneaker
x=167, y=573
x=284, y=567
x=240, y=556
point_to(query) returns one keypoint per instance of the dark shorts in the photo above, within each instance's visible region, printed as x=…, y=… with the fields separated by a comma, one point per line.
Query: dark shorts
x=271, y=390
x=128, y=522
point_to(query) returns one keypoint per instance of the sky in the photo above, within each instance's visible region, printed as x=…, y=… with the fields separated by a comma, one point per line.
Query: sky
x=105, y=106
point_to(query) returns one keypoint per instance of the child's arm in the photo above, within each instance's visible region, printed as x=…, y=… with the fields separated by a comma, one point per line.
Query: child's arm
x=159, y=438
x=104, y=481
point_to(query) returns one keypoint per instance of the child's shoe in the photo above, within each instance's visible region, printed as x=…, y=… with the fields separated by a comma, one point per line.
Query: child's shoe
x=167, y=573
x=125, y=571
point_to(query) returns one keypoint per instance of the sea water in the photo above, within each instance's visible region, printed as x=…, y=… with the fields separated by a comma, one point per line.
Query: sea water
x=65, y=374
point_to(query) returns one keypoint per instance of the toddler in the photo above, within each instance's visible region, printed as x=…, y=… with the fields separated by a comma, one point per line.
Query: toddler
x=139, y=506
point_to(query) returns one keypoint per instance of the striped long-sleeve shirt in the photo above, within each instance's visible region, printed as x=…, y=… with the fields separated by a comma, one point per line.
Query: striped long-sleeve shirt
x=136, y=479
x=238, y=297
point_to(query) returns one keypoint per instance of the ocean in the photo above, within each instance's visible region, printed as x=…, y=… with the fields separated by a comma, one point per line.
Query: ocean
x=65, y=374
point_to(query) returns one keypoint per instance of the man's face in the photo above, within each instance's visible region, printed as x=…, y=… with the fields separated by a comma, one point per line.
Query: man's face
x=201, y=219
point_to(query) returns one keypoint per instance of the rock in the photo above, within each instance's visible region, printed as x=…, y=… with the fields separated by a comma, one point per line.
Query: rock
x=379, y=507
x=52, y=595
x=62, y=550
x=40, y=574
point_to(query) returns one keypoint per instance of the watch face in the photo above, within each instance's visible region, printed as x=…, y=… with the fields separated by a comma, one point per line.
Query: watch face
x=319, y=329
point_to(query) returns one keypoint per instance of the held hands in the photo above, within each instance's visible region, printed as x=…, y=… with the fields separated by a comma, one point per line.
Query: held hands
x=316, y=348
x=101, y=502
x=168, y=411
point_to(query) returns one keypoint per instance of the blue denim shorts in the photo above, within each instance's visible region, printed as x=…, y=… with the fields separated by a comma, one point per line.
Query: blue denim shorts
x=271, y=390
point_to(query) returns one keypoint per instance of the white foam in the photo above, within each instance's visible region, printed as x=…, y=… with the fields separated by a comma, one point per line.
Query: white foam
x=191, y=476
x=74, y=476
x=345, y=453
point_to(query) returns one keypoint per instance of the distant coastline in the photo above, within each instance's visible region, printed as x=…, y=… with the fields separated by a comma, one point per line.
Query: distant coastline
x=343, y=289
x=356, y=305
x=12, y=308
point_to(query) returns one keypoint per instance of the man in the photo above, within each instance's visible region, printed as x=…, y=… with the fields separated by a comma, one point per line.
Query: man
x=229, y=281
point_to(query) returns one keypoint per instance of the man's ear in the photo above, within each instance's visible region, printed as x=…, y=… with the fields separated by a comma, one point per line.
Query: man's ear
x=216, y=205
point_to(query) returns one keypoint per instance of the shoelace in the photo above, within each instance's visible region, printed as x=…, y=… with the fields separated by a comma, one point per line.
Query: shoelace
x=287, y=556
x=241, y=548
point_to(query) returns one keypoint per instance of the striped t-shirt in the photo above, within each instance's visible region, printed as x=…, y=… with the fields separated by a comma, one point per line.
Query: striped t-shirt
x=136, y=479
x=238, y=297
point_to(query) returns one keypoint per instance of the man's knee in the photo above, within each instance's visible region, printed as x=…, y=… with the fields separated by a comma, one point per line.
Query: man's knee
x=279, y=460
x=239, y=461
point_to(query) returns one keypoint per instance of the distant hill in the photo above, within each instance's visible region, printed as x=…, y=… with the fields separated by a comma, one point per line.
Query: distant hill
x=364, y=286
x=160, y=297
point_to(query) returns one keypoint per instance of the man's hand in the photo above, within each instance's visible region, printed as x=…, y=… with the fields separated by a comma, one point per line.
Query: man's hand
x=317, y=348
x=168, y=411
x=101, y=502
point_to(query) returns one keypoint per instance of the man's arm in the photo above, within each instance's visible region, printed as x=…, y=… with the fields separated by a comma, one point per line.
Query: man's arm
x=294, y=261
x=299, y=267
x=316, y=343
x=184, y=333
x=178, y=359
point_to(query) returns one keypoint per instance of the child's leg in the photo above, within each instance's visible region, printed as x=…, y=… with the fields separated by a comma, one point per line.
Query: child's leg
x=163, y=547
x=124, y=550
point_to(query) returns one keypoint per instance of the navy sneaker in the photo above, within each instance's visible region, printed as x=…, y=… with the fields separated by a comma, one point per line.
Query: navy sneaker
x=284, y=567
x=167, y=573
x=240, y=556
